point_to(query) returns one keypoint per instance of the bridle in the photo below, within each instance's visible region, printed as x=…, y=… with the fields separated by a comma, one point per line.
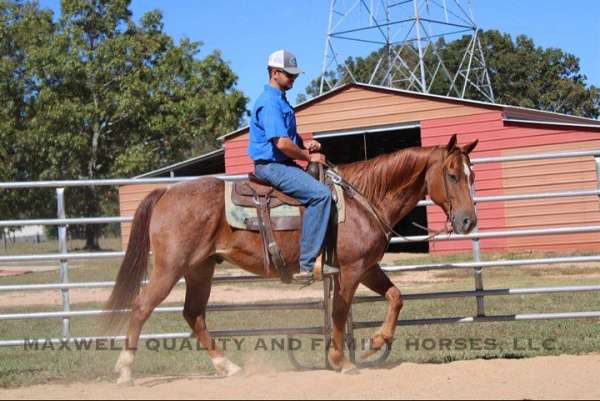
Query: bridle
x=383, y=225
x=448, y=202
x=448, y=206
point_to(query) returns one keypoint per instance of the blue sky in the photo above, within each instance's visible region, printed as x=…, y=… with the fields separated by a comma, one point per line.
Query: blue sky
x=247, y=31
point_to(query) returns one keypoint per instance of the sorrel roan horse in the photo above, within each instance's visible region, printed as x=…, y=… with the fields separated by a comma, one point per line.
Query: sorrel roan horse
x=186, y=226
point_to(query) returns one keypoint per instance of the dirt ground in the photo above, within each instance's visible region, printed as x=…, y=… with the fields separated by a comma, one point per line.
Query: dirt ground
x=562, y=377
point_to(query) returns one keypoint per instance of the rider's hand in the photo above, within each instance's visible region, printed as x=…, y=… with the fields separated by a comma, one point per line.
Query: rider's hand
x=317, y=157
x=312, y=145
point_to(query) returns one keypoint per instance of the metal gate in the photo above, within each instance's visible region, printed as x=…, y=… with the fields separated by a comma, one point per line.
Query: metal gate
x=479, y=293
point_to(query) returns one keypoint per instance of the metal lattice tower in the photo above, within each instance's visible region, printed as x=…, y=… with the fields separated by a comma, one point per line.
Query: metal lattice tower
x=405, y=40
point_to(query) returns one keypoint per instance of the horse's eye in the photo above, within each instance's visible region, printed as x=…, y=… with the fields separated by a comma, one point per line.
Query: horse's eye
x=453, y=177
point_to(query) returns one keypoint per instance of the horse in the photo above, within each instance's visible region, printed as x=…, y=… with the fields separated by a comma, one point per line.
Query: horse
x=185, y=226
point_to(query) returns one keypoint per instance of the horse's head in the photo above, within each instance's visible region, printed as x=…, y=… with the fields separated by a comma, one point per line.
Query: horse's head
x=450, y=186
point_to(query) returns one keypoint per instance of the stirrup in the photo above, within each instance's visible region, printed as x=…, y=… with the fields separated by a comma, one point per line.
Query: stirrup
x=307, y=281
x=323, y=269
x=329, y=270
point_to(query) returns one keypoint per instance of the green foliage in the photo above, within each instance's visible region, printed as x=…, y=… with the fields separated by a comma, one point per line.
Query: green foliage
x=521, y=74
x=23, y=27
x=97, y=95
x=529, y=76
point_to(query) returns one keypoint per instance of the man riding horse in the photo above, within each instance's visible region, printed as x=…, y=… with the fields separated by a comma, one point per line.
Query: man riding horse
x=275, y=144
x=189, y=241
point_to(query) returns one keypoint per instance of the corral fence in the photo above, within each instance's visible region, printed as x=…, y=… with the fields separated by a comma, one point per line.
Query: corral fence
x=479, y=293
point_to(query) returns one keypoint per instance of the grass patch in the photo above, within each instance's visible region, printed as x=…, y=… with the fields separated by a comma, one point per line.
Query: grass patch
x=107, y=244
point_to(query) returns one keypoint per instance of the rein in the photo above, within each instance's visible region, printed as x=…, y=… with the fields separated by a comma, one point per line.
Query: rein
x=383, y=225
x=361, y=199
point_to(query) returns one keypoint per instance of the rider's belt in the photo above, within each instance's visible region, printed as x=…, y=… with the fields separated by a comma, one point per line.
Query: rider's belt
x=261, y=162
x=286, y=162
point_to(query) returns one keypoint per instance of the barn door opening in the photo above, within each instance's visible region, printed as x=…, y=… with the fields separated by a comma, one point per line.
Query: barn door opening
x=354, y=146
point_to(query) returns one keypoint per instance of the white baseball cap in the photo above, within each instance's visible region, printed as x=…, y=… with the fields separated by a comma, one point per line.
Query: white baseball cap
x=284, y=60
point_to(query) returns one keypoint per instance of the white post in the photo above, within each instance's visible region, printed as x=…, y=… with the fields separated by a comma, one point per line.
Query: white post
x=64, y=263
x=478, y=270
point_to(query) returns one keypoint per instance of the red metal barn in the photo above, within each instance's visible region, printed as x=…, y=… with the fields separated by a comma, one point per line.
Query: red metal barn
x=360, y=121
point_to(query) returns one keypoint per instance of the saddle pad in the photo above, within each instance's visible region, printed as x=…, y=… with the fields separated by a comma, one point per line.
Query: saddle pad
x=237, y=215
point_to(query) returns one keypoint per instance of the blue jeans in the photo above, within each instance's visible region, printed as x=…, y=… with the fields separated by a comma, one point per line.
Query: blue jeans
x=317, y=200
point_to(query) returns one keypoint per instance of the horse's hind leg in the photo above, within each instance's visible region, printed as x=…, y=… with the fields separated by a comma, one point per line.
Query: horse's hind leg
x=199, y=283
x=161, y=283
x=379, y=282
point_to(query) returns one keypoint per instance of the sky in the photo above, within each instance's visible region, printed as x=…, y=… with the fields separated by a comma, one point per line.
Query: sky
x=246, y=32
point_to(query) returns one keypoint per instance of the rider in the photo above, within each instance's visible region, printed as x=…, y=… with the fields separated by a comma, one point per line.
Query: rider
x=275, y=144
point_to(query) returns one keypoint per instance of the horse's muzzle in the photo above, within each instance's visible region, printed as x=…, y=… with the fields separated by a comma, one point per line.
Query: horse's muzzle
x=464, y=222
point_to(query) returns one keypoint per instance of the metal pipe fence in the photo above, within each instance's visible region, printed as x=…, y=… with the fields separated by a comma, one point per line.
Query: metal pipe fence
x=477, y=265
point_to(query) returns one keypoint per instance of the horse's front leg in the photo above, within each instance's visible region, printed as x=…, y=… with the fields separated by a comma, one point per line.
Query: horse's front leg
x=342, y=301
x=377, y=281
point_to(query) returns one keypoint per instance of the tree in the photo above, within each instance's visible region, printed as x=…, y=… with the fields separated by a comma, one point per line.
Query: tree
x=117, y=98
x=529, y=76
x=521, y=74
x=23, y=27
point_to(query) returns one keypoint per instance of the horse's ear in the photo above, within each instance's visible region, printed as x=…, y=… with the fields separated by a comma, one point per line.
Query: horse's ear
x=469, y=148
x=451, y=144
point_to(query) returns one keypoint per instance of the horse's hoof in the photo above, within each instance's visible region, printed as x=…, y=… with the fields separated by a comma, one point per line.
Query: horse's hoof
x=124, y=363
x=234, y=371
x=226, y=368
x=125, y=382
x=367, y=354
x=350, y=371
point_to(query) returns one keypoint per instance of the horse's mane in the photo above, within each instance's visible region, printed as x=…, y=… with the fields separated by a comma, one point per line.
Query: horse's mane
x=374, y=178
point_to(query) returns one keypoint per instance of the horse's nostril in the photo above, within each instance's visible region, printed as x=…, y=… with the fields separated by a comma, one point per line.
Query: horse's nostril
x=467, y=224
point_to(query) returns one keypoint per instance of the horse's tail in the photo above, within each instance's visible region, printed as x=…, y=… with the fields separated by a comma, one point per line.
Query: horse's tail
x=135, y=264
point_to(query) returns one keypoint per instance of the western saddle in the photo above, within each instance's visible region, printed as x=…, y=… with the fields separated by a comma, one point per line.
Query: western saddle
x=261, y=195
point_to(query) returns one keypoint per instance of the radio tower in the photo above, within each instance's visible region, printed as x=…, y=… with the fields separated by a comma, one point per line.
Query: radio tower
x=400, y=44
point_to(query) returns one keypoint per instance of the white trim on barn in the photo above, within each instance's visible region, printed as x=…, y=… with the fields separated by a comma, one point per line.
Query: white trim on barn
x=360, y=131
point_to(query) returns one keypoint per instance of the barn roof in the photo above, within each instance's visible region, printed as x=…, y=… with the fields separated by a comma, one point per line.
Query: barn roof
x=204, y=157
x=511, y=113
